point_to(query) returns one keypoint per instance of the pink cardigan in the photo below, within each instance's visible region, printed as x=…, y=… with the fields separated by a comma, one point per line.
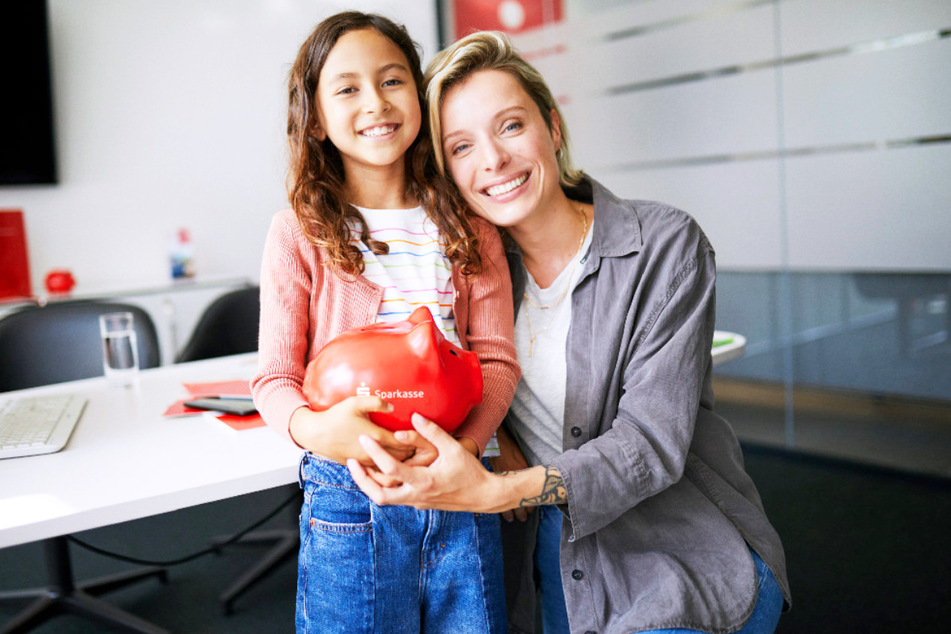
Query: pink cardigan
x=304, y=305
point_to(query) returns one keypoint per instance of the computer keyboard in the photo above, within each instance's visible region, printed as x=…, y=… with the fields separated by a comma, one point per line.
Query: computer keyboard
x=33, y=425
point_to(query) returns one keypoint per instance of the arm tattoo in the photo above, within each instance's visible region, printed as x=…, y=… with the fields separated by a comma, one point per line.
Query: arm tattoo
x=553, y=491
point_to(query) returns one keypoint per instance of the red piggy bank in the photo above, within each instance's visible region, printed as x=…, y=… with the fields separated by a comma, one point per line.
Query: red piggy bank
x=409, y=364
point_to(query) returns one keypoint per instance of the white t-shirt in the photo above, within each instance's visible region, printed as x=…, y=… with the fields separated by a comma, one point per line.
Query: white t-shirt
x=415, y=272
x=541, y=335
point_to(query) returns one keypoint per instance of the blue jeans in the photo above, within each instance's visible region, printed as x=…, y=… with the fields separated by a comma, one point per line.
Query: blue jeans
x=769, y=599
x=769, y=604
x=548, y=565
x=392, y=569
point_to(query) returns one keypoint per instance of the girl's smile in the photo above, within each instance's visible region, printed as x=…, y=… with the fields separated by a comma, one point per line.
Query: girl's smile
x=379, y=131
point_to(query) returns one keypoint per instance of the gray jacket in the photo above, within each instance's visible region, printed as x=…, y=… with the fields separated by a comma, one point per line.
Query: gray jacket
x=660, y=508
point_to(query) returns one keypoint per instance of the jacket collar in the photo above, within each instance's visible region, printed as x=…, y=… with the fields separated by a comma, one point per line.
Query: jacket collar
x=617, y=229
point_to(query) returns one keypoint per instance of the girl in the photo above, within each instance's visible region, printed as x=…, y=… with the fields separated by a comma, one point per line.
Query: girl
x=374, y=232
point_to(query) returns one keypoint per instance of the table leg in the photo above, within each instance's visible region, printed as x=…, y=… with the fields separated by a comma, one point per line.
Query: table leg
x=63, y=596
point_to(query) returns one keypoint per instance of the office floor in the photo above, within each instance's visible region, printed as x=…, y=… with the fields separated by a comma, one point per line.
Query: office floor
x=188, y=602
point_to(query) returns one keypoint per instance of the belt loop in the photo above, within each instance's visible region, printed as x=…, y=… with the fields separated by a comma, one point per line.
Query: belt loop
x=300, y=470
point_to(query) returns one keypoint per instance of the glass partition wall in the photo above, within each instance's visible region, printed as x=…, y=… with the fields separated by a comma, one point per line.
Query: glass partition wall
x=812, y=141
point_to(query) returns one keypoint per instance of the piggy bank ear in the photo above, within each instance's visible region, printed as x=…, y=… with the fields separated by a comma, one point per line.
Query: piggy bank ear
x=423, y=340
x=421, y=315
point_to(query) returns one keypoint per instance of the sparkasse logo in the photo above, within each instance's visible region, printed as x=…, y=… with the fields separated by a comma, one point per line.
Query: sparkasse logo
x=364, y=390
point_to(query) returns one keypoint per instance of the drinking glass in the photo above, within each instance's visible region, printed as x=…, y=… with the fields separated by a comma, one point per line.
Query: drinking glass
x=120, y=350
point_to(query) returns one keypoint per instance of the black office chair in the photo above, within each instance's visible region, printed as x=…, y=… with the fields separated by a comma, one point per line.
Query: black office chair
x=60, y=342
x=230, y=326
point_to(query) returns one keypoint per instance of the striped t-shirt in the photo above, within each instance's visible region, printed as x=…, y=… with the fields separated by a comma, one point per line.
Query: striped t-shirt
x=415, y=272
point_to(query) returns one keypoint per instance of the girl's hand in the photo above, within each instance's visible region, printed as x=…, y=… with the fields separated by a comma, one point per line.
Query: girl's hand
x=425, y=451
x=510, y=458
x=334, y=432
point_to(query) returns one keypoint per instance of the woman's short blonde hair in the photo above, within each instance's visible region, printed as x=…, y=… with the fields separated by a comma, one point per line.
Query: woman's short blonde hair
x=491, y=50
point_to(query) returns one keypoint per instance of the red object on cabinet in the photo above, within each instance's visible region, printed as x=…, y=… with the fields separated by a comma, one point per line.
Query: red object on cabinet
x=14, y=263
x=59, y=282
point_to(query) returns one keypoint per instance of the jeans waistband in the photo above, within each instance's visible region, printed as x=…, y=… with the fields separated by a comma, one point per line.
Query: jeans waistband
x=317, y=469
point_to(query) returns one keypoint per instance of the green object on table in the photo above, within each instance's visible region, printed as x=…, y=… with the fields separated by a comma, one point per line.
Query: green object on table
x=722, y=342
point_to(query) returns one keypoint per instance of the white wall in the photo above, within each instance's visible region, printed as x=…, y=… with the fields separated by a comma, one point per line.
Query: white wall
x=806, y=134
x=171, y=114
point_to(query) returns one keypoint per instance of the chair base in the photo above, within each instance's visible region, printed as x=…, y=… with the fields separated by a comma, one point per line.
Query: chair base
x=288, y=543
x=63, y=596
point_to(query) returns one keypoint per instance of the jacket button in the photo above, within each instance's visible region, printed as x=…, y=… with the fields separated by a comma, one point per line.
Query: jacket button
x=575, y=431
x=577, y=575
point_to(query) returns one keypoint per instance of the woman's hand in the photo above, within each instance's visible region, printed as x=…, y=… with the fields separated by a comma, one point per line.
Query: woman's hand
x=454, y=481
x=333, y=433
x=425, y=454
x=510, y=458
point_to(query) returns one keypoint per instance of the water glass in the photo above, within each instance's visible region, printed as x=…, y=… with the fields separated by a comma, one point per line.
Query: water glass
x=120, y=350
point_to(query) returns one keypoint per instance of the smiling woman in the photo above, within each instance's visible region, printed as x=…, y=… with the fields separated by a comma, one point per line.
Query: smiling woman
x=646, y=520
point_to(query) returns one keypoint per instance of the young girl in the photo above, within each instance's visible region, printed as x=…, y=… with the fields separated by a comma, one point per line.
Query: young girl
x=373, y=233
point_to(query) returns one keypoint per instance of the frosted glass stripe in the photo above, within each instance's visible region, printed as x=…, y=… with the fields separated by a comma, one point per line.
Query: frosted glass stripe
x=911, y=39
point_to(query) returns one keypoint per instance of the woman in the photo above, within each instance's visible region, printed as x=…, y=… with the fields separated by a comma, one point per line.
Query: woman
x=658, y=526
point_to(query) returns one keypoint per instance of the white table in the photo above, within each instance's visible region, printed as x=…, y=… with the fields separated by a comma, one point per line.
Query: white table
x=126, y=461
x=727, y=346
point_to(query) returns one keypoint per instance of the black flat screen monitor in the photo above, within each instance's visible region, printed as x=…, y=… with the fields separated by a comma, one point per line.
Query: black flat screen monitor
x=27, y=151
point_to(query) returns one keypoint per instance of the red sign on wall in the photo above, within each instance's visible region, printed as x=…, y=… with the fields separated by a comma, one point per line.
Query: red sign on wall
x=511, y=16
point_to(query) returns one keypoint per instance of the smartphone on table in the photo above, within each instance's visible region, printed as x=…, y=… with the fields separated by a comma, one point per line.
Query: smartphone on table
x=237, y=406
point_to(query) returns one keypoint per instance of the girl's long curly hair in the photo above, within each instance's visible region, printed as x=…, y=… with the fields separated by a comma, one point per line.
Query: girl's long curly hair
x=315, y=179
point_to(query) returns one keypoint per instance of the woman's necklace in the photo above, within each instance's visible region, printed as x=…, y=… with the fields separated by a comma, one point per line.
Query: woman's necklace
x=532, y=336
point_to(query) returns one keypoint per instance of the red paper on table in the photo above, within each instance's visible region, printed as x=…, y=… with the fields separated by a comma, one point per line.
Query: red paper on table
x=178, y=409
x=239, y=423
x=219, y=388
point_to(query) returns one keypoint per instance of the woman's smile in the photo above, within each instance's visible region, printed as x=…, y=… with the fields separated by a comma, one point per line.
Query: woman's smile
x=504, y=188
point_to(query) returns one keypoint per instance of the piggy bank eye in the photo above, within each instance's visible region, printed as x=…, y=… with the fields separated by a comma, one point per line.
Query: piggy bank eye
x=453, y=352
